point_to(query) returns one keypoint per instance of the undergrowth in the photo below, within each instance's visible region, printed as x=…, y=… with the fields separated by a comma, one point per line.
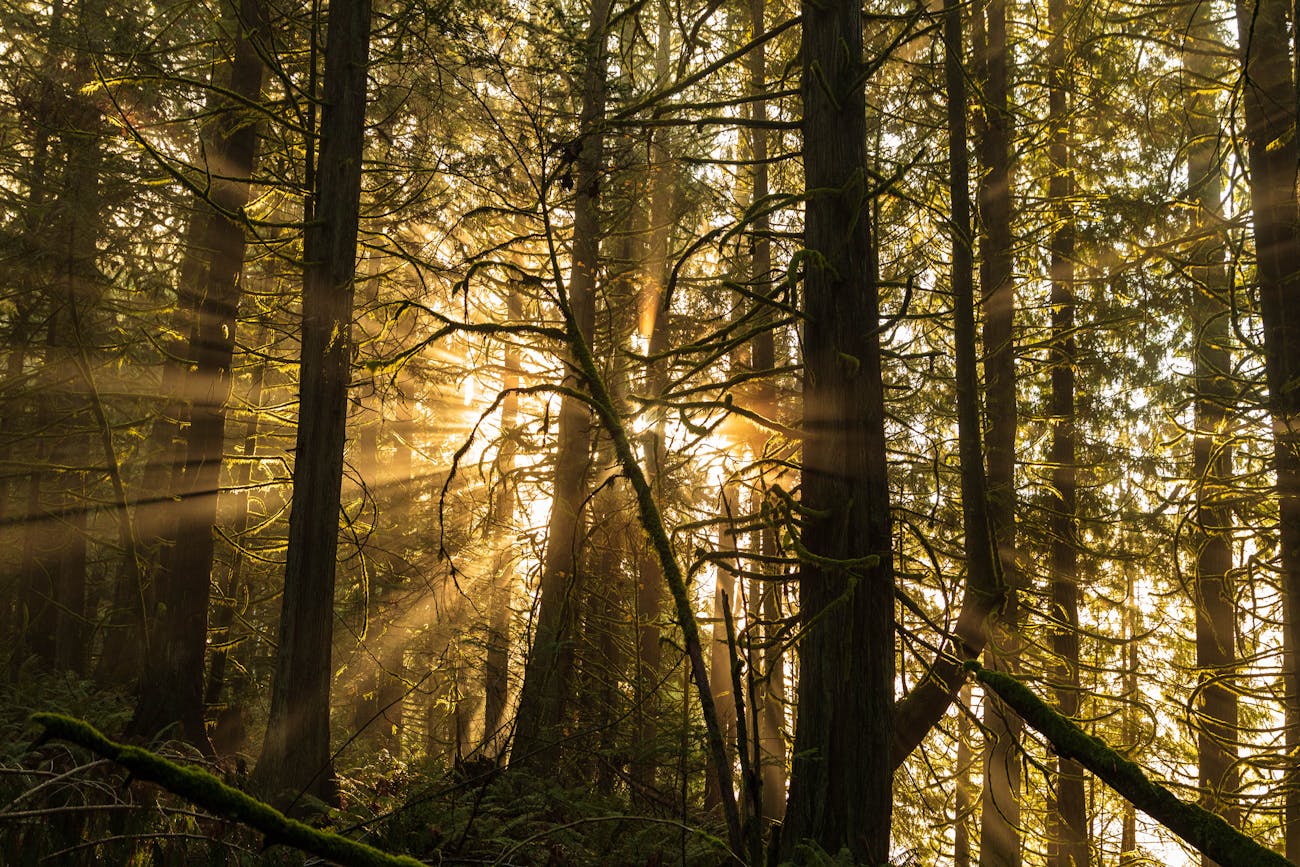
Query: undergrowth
x=60, y=805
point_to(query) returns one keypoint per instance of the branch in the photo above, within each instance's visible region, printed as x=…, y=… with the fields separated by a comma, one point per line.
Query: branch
x=203, y=789
x=1207, y=833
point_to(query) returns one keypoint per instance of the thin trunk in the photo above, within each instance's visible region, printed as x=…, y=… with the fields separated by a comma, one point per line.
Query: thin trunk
x=724, y=598
x=654, y=329
x=965, y=801
x=545, y=690
x=1269, y=97
x=296, y=752
x=1216, y=719
x=55, y=552
x=1062, y=511
x=223, y=636
x=841, y=782
x=1128, y=852
x=770, y=701
x=496, y=665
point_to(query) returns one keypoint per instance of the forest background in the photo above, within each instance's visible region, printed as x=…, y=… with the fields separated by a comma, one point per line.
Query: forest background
x=551, y=432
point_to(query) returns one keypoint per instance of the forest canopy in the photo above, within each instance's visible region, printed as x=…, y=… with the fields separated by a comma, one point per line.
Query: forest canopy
x=555, y=432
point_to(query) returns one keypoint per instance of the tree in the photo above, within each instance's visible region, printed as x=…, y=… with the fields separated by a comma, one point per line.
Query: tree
x=841, y=780
x=296, y=755
x=1070, y=805
x=1216, y=614
x=1269, y=98
x=1000, y=801
x=171, y=687
x=545, y=687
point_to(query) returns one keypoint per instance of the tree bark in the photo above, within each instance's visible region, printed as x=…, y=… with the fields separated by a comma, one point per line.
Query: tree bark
x=1269, y=98
x=171, y=688
x=55, y=547
x=1062, y=522
x=654, y=329
x=841, y=781
x=769, y=703
x=1000, y=799
x=547, y=673
x=296, y=752
x=1216, y=701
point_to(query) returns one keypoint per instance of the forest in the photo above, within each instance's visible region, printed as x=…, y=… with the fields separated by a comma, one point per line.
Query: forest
x=646, y=432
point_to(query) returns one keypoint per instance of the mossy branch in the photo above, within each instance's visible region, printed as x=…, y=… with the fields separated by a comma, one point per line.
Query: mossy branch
x=201, y=788
x=1207, y=833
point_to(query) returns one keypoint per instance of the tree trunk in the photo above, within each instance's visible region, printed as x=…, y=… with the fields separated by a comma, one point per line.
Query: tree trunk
x=1128, y=852
x=223, y=636
x=171, y=688
x=1216, y=717
x=1062, y=510
x=542, y=699
x=296, y=752
x=965, y=801
x=653, y=328
x=1000, y=814
x=55, y=548
x=1269, y=97
x=769, y=703
x=841, y=782
x=724, y=606
x=496, y=665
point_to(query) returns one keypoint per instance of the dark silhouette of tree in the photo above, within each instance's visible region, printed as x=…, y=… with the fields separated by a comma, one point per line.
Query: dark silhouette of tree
x=841, y=779
x=296, y=755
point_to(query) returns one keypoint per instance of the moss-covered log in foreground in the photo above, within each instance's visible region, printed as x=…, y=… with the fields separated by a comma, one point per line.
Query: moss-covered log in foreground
x=1208, y=833
x=211, y=794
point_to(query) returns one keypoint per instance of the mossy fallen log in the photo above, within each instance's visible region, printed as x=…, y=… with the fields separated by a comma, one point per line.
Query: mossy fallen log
x=1207, y=833
x=203, y=789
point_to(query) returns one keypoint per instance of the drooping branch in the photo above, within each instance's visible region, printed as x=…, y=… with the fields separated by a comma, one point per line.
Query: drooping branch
x=1207, y=833
x=203, y=789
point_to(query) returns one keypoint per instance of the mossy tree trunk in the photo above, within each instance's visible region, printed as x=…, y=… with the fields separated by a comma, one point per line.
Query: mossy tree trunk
x=841, y=780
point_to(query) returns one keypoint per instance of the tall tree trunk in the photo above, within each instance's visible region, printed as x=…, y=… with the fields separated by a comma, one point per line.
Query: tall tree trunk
x=724, y=606
x=496, y=665
x=964, y=799
x=1269, y=96
x=654, y=329
x=296, y=752
x=1000, y=813
x=171, y=688
x=769, y=703
x=1128, y=851
x=1216, y=719
x=1062, y=511
x=542, y=698
x=56, y=547
x=841, y=782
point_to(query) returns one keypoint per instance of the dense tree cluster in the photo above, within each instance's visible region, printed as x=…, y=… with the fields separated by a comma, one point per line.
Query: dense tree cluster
x=619, y=432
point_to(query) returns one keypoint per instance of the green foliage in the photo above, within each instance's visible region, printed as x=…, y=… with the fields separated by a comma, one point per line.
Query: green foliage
x=516, y=817
x=205, y=790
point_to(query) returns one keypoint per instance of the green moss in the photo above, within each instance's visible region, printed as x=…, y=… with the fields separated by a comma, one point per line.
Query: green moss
x=208, y=792
x=1205, y=831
